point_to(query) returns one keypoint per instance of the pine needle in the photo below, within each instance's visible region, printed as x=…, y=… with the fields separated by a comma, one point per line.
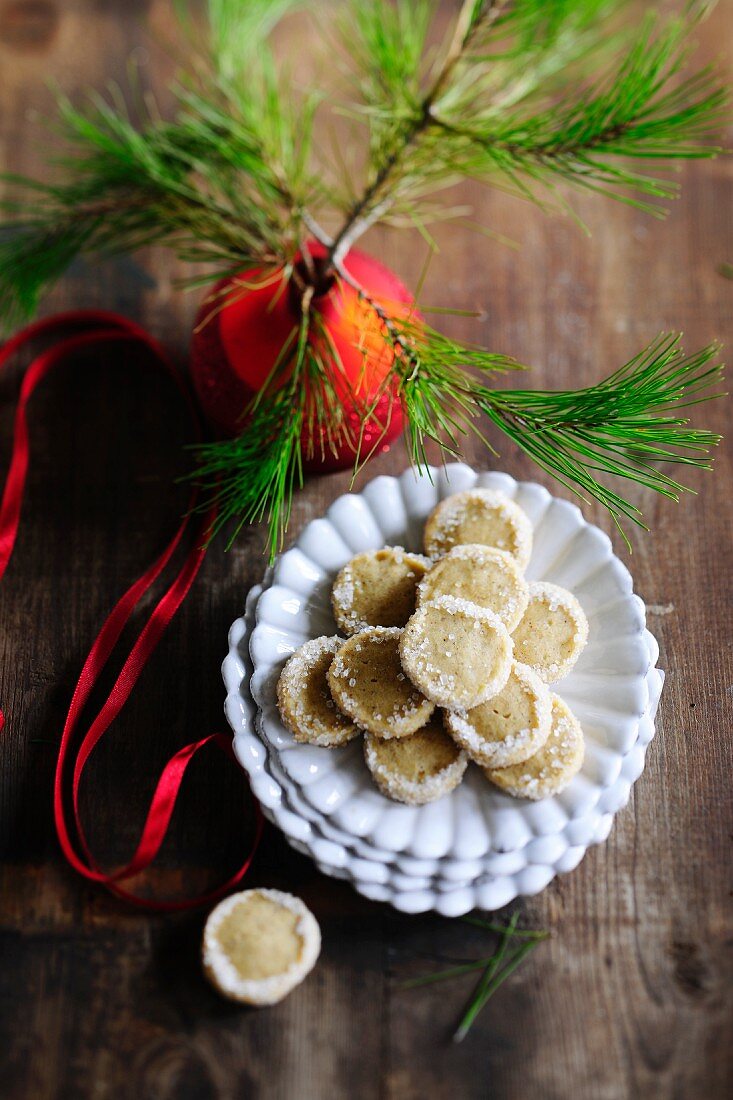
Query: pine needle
x=496, y=967
x=622, y=426
x=253, y=477
x=515, y=105
x=222, y=183
x=494, y=976
x=633, y=111
x=445, y=975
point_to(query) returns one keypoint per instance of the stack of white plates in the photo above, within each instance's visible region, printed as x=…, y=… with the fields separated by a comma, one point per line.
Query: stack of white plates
x=475, y=847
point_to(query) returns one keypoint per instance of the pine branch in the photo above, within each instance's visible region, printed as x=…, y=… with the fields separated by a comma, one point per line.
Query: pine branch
x=509, y=107
x=494, y=976
x=223, y=184
x=633, y=113
x=238, y=32
x=31, y=259
x=228, y=182
x=253, y=477
x=622, y=426
x=395, y=71
x=496, y=967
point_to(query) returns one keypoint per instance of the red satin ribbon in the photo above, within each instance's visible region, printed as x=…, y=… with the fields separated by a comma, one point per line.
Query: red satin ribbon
x=90, y=328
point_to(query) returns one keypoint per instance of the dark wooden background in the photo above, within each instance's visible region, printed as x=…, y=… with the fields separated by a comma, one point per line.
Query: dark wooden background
x=632, y=996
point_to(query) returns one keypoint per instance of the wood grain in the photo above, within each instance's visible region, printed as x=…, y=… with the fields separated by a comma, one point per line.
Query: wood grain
x=632, y=996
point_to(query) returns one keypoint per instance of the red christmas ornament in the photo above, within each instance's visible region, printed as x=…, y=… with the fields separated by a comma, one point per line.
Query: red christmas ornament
x=239, y=337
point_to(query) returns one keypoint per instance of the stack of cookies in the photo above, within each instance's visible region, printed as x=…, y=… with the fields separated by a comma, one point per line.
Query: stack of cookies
x=448, y=658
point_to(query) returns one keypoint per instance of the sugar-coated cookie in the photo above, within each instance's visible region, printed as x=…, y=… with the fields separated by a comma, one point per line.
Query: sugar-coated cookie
x=483, y=516
x=304, y=697
x=485, y=576
x=377, y=588
x=550, y=770
x=552, y=633
x=456, y=653
x=258, y=945
x=416, y=769
x=508, y=728
x=369, y=685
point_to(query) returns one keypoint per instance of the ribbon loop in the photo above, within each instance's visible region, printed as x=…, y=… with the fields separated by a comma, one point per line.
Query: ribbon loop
x=90, y=328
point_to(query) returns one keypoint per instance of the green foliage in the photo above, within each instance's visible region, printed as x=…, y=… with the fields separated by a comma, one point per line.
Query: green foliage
x=253, y=476
x=32, y=258
x=230, y=179
x=514, y=946
x=239, y=30
x=620, y=426
x=436, y=389
x=634, y=111
x=388, y=43
x=527, y=97
x=531, y=95
x=223, y=183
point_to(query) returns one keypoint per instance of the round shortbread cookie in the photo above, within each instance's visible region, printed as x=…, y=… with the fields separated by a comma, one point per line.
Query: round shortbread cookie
x=485, y=576
x=552, y=633
x=416, y=769
x=377, y=588
x=258, y=945
x=508, y=728
x=368, y=684
x=304, y=696
x=457, y=653
x=550, y=770
x=483, y=516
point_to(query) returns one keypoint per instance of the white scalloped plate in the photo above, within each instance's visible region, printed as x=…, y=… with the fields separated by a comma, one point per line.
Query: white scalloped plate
x=607, y=689
x=507, y=876
x=424, y=884
x=321, y=798
x=447, y=873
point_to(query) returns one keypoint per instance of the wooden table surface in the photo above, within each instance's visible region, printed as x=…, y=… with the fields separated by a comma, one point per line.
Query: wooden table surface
x=632, y=995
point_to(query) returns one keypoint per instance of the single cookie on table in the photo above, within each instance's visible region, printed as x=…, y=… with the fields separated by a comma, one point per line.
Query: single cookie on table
x=483, y=516
x=416, y=769
x=377, y=588
x=552, y=633
x=508, y=728
x=483, y=575
x=456, y=653
x=550, y=770
x=304, y=697
x=258, y=945
x=369, y=685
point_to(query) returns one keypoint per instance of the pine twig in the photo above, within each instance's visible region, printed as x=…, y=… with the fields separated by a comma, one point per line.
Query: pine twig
x=494, y=976
x=623, y=426
x=253, y=477
x=496, y=967
x=507, y=107
x=371, y=206
x=444, y=975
